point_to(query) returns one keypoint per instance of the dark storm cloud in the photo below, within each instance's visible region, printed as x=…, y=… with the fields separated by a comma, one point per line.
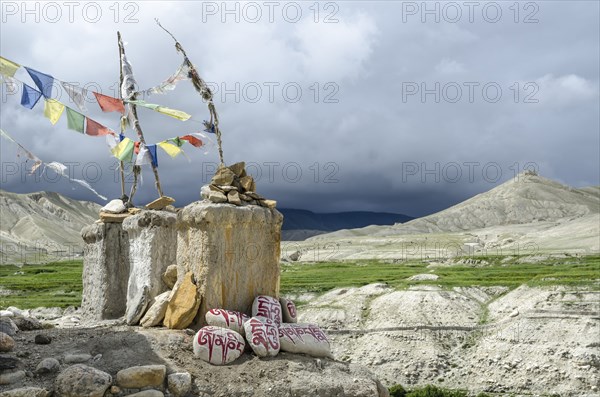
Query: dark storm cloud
x=401, y=108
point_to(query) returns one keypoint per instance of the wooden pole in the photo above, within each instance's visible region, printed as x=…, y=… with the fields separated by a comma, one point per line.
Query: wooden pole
x=122, y=130
x=136, y=122
x=203, y=90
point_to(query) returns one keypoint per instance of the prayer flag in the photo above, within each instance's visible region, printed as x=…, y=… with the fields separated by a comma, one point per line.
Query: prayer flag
x=30, y=96
x=124, y=150
x=76, y=94
x=8, y=68
x=53, y=110
x=75, y=120
x=42, y=81
x=109, y=104
x=94, y=128
x=152, y=151
x=171, y=149
x=195, y=142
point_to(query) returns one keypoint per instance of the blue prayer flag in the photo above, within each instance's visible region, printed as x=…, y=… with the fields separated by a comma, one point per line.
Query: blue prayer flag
x=152, y=151
x=30, y=96
x=42, y=81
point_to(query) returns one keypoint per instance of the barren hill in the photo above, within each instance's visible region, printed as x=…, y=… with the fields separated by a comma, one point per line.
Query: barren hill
x=39, y=226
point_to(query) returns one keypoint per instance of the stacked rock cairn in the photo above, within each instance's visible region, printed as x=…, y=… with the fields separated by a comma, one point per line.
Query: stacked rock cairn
x=232, y=185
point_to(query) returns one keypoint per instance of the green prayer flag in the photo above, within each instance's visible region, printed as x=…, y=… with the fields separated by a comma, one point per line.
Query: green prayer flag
x=75, y=120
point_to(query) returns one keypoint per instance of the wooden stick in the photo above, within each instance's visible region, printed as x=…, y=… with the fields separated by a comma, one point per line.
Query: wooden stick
x=136, y=122
x=202, y=89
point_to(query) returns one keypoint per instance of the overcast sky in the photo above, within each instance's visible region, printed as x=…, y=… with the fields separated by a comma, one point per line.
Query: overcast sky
x=337, y=106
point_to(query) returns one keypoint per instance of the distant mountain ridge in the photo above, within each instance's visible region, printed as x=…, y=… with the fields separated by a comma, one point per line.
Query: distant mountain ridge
x=526, y=199
x=41, y=226
x=295, y=219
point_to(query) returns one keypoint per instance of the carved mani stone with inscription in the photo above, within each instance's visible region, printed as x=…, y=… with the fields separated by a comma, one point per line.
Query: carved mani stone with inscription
x=267, y=307
x=304, y=338
x=288, y=311
x=263, y=336
x=218, y=346
x=227, y=319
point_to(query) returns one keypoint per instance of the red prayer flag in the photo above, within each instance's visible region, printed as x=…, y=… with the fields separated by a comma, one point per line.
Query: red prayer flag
x=192, y=140
x=109, y=104
x=96, y=129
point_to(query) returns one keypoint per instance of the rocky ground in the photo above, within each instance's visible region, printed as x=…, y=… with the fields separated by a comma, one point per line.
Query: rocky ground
x=113, y=347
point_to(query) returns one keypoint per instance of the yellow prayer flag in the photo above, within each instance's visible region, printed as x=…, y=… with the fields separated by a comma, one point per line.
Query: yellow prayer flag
x=178, y=114
x=53, y=110
x=8, y=68
x=171, y=149
x=124, y=150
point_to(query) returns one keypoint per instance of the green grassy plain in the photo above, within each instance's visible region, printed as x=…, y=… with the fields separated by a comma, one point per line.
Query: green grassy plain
x=59, y=283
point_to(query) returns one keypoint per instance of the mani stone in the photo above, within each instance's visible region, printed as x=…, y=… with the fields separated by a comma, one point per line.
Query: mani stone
x=183, y=304
x=105, y=271
x=152, y=242
x=262, y=335
x=232, y=251
x=227, y=319
x=288, y=311
x=267, y=307
x=304, y=338
x=218, y=346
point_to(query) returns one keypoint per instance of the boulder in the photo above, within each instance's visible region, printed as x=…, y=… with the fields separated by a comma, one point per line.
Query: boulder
x=41, y=339
x=239, y=169
x=8, y=327
x=7, y=362
x=6, y=313
x=227, y=319
x=223, y=176
x=169, y=277
x=137, y=305
x=288, y=311
x=147, y=393
x=262, y=336
x=155, y=315
x=47, y=365
x=141, y=376
x=232, y=251
x=179, y=384
x=183, y=304
x=80, y=380
x=152, y=247
x=233, y=197
x=77, y=358
x=217, y=197
x=7, y=378
x=304, y=338
x=27, y=323
x=7, y=343
x=248, y=183
x=114, y=207
x=105, y=271
x=26, y=392
x=267, y=307
x=218, y=346
x=160, y=203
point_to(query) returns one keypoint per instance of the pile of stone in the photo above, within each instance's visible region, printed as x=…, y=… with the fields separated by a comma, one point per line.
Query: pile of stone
x=272, y=328
x=232, y=185
x=116, y=211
